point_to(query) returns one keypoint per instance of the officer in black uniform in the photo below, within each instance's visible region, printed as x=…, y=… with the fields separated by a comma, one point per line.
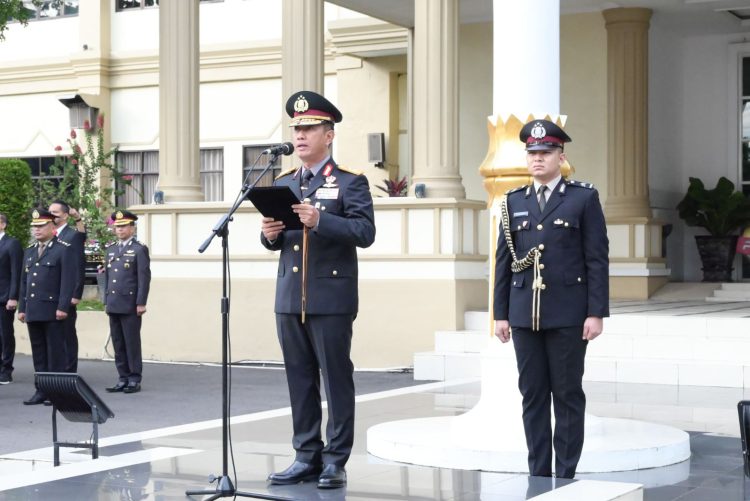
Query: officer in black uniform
x=77, y=240
x=552, y=291
x=11, y=265
x=127, y=273
x=47, y=283
x=316, y=338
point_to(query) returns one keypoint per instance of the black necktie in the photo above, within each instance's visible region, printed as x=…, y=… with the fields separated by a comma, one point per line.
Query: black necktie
x=542, y=198
x=307, y=175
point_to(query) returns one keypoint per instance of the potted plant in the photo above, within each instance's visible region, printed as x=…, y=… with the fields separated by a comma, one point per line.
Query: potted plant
x=395, y=187
x=722, y=212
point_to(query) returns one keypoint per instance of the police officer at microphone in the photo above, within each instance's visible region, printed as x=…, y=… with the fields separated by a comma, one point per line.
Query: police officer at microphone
x=317, y=291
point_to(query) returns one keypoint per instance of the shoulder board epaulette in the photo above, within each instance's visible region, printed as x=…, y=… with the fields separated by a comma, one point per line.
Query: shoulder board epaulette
x=580, y=184
x=350, y=171
x=31, y=246
x=66, y=244
x=518, y=188
x=286, y=172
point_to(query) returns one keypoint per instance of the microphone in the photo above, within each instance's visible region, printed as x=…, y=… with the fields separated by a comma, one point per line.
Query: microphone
x=283, y=149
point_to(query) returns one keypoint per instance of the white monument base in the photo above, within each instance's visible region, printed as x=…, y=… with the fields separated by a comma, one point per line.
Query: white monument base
x=490, y=437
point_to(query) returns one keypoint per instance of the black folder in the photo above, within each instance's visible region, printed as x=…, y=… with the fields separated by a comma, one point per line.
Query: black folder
x=276, y=202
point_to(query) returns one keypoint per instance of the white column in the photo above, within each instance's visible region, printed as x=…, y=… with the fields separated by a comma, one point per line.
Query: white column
x=526, y=58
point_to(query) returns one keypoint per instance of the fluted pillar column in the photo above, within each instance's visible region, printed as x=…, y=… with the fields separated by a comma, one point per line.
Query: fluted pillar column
x=179, y=61
x=627, y=122
x=435, y=96
x=637, y=268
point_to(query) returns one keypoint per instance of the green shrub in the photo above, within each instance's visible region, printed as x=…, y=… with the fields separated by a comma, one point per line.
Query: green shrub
x=16, y=197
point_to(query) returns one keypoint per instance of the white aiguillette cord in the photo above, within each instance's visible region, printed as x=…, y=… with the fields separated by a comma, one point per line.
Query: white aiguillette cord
x=517, y=266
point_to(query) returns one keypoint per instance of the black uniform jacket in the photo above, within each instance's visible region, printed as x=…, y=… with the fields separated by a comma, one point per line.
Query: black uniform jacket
x=11, y=259
x=575, y=257
x=77, y=241
x=346, y=222
x=47, y=282
x=127, y=272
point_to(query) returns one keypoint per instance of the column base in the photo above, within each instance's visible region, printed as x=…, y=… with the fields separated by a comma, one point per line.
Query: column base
x=440, y=187
x=635, y=287
x=182, y=194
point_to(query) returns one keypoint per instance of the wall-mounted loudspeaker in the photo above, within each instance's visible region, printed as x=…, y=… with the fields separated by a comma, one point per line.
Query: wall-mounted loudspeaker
x=376, y=148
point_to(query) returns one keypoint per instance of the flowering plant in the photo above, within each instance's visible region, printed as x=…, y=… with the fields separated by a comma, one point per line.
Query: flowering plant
x=87, y=180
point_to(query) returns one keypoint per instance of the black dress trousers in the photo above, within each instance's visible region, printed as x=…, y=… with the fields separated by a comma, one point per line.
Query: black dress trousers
x=550, y=366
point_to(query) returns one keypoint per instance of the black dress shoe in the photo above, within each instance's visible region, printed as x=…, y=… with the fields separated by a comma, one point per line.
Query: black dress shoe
x=332, y=477
x=297, y=472
x=132, y=388
x=118, y=387
x=36, y=399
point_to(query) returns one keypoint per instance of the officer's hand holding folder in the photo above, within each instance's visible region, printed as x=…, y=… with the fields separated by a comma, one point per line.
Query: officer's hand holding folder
x=276, y=202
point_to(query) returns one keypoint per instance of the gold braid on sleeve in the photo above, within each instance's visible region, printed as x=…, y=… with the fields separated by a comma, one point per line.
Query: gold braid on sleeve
x=517, y=266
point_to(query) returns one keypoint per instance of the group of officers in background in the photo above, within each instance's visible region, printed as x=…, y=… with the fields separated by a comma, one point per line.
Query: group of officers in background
x=44, y=285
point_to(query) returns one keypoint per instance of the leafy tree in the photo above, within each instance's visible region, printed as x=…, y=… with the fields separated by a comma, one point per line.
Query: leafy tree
x=13, y=10
x=16, y=197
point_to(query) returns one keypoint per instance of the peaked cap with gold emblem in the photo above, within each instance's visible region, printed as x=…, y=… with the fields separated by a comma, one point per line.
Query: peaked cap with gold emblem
x=40, y=217
x=309, y=108
x=123, y=218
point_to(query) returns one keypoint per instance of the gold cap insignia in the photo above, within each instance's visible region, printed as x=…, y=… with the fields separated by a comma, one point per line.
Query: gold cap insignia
x=118, y=215
x=35, y=214
x=301, y=105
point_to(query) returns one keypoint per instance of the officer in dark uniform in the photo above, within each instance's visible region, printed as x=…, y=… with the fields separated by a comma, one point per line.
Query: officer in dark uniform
x=127, y=273
x=318, y=267
x=77, y=254
x=552, y=291
x=11, y=265
x=47, y=283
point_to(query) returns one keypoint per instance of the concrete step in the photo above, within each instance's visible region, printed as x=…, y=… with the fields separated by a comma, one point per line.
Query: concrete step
x=476, y=321
x=701, y=350
x=736, y=286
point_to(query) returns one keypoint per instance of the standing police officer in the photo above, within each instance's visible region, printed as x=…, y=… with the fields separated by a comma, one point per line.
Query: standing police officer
x=127, y=274
x=552, y=291
x=11, y=264
x=77, y=254
x=47, y=283
x=318, y=267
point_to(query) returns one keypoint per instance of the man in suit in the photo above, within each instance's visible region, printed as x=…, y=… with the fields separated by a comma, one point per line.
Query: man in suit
x=317, y=292
x=77, y=241
x=47, y=283
x=127, y=273
x=11, y=259
x=552, y=292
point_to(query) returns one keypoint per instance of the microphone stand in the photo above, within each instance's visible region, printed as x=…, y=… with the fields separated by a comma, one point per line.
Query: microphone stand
x=224, y=486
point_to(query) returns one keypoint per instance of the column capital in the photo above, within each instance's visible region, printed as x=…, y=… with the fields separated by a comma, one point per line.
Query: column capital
x=621, y=15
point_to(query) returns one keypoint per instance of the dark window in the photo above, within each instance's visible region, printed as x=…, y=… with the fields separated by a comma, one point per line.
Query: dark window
x=212, y=174
x=254, y=168
x=40, y=168
x=50, y=9
x=744, y=134
x=142, y=168
x=121, y=5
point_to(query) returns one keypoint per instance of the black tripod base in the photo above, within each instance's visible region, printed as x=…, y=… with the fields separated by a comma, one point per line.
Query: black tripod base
x=225, y=489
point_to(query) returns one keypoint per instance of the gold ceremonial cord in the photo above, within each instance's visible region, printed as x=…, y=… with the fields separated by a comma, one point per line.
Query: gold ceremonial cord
x=517, y=266
x=305, y=232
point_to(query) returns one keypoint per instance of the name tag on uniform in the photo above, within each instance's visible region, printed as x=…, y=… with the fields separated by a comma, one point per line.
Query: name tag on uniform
x=327, y=193
x=519, y=214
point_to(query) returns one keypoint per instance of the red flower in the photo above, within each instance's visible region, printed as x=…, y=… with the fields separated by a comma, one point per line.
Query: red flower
x=77, y=149
x=72, y=133
x=127, y=178
x=58, y=148
x=74, y=161
x=86, y=125
x=98, y=203
x=100, y=121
